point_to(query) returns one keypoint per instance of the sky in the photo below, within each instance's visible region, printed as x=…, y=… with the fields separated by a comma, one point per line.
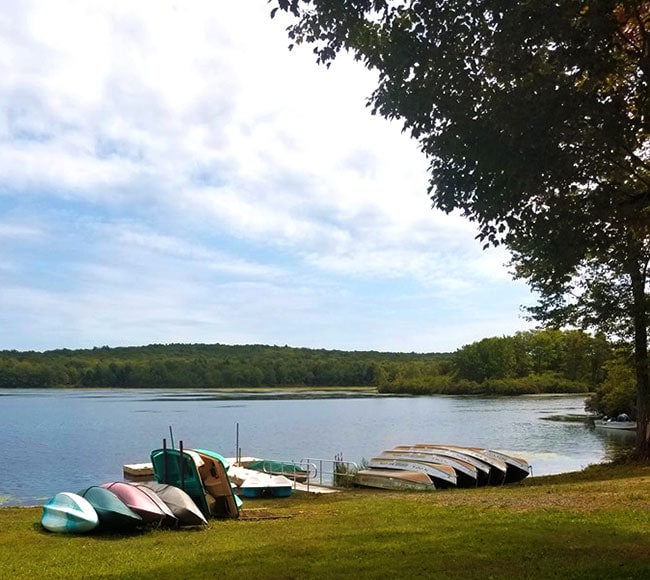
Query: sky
x=171, y=173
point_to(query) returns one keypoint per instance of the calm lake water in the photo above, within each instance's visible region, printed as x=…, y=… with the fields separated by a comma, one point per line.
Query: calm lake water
x=66, y=440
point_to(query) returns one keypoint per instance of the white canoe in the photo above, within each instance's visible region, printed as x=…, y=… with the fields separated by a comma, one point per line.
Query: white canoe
x=483, y=467
x=498, y=467
x=517, y=468
x=441, y=475
x=393, y=479
x=69, y=513
x=467, y=474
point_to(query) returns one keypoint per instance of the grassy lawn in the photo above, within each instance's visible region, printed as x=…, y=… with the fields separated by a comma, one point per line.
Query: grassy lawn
x=593, y=524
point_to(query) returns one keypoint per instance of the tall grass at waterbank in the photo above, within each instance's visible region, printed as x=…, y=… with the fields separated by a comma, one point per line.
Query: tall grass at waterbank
x=546, y=383
x=591, y=524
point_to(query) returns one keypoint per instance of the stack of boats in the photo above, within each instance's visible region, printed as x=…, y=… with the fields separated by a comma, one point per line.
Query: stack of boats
x=191, y=486
x=425, y=466
x=119, y=506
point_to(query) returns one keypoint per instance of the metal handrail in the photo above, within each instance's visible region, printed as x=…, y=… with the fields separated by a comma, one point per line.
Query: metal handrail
x=338, y=469
x=322, y=472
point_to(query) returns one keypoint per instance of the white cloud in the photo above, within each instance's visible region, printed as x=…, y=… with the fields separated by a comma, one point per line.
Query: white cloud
x=19, y=231
x=186, y=178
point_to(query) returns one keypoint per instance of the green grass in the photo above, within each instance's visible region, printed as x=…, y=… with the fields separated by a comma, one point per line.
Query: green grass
x=593, y=524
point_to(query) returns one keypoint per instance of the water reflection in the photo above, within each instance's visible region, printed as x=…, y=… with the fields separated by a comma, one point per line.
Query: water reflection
x=616, y=443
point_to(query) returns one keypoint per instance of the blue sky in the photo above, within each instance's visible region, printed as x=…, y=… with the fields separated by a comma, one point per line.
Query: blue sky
x=170, y=172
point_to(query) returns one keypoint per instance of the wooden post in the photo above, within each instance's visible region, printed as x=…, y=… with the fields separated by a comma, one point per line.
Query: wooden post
x=165, y=471
x=182, y=460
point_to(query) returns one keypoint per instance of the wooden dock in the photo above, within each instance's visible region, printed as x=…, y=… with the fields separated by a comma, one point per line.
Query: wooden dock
x=138, y=471
x=313, y=488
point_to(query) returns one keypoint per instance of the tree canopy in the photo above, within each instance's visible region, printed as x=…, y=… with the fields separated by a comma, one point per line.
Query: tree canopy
x=534, y=116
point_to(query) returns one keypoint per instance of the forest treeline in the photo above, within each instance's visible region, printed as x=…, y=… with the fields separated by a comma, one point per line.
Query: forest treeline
x=545, y=361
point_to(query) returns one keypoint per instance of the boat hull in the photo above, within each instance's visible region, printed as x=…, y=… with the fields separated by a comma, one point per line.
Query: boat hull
x=69, y=513
x=498, y=468
x=170, y=519
x=264, y=485
x=617, y=425
x=288, y=469
x=139, y=501
x=467, y=475
x=393, y=480
x=112, y=512
x=517, y=469
x=441, y=475
x=181, y=504
x=483, y=468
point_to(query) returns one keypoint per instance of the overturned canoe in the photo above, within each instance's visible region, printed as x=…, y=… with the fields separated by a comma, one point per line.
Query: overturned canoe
x=393, y=479
x=69, y=513
x=498, y=467
x=467, y=474
x=181, y=504
x=482, y=467
x=441, y=475
x=138, y=500
x=289, y=469
x=170, y=517
x=112, y=512
x=517, y=468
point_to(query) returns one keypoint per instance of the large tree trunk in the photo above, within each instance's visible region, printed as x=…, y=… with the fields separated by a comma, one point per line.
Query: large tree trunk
x=640, y=315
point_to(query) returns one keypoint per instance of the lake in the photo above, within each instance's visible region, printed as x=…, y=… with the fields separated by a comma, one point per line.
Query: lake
x=66, y=440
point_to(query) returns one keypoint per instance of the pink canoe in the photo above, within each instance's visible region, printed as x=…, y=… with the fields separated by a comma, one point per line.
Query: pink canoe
x=138, y=500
